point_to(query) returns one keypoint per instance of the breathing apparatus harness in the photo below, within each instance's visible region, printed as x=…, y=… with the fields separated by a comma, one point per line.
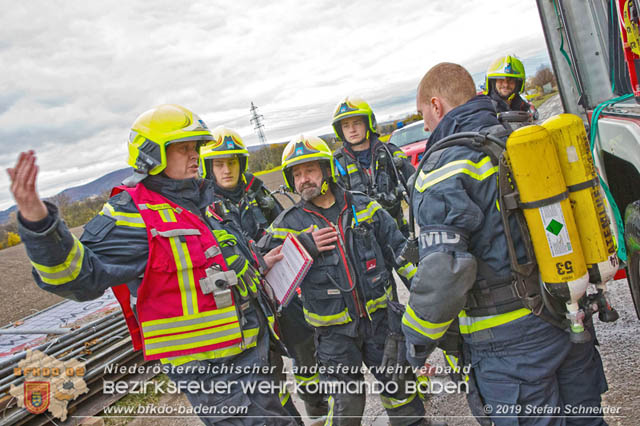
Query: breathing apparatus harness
x=523, y=288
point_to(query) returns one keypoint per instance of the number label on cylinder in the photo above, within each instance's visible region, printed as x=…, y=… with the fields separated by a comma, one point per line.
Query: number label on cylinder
x=564, y=267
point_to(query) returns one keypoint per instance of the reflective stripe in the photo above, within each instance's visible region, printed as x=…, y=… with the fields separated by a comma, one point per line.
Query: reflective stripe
x=453, y=362
x=156, y=207
x=167, y=215
x=388, y=402
x=284, y=396
x=470, y=325
x=185, y=276
x=479, y=171
x=65, y=271
x=325, y=320
x=351, y=168
x=188, y=323
x=133, y=220
x=281, y=233
x=368, y=212
x=305, y=381
x=271, y=319
x=331, y=402
x=380, y=302
x=212, y=251
x=400, y=154
x=175, y=232
x=408, y=270
x=433, y=331
x=250, y=340
x=191, y=340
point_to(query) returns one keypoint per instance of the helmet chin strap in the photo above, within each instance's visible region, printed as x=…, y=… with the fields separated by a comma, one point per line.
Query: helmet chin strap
x=325, y=187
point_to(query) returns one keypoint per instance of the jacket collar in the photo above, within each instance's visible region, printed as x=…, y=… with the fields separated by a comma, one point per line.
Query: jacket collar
x=193, y=194
x=477, y=114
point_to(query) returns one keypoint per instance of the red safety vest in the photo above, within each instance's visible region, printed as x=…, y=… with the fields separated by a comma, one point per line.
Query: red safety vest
x=175, y=318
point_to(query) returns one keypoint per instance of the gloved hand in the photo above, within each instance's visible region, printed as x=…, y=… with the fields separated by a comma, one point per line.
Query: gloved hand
x=395, y=311
x=248, y=276
x=394, y=358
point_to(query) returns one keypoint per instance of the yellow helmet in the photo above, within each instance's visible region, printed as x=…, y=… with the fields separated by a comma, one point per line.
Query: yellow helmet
x=158, y=127
x=302, y=150
x=226, y=143
x=506, y=66
x=353, y=107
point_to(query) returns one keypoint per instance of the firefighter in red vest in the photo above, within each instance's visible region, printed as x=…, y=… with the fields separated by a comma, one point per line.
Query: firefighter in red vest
x=191, y=298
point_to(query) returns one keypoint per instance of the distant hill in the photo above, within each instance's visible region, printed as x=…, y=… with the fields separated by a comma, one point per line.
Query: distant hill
x=98, y=186
x=95, y=187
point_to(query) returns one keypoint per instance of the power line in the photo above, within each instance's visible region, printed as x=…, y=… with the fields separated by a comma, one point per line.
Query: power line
x=257, y=124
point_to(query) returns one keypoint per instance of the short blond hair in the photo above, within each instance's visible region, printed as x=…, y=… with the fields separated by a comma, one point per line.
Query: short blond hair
x=447, y=81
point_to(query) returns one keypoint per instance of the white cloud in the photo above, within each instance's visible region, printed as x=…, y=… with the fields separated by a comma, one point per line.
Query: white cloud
x=76, y=74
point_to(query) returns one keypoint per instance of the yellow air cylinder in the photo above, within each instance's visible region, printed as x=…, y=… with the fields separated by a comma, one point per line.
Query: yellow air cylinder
x=547, y=211
x=589, y=208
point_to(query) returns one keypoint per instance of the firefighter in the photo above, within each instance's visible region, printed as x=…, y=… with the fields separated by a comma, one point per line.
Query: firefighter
x=363, y=163
x=349, y=286
x=242, y=199
x=239, y=196
x=521, y=356
x=504, y=84
x=191, y=298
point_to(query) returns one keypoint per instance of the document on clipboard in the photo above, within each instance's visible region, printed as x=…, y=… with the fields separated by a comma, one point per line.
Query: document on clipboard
x=286, y=275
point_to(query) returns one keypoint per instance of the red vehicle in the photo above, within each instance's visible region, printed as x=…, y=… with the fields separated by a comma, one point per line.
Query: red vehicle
x=412, y=140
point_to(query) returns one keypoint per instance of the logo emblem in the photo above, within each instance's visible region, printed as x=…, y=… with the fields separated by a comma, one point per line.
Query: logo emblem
x=37, y=396
x=230, y=145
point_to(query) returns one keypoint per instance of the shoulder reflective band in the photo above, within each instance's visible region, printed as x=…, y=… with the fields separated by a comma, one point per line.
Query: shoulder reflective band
x=368, y=212
x=432, y=330
x=478, y=171
x=133, y=220
x=470, y=325
x=66, y=271
x=326, y=320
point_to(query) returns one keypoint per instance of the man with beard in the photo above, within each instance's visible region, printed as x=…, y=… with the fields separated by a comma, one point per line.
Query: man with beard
x=349, y=289
x=241, y=200
x=504, y=84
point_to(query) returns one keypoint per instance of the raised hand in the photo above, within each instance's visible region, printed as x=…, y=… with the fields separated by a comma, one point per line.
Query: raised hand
x=23, y=187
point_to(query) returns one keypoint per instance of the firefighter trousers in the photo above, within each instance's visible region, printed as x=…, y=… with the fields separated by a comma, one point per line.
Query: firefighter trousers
x=298, y=337
x=341, y=356
x=227, y=393
x=529, y=373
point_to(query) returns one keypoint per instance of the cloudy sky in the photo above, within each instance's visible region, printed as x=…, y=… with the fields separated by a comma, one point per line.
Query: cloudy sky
x=75, y=74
